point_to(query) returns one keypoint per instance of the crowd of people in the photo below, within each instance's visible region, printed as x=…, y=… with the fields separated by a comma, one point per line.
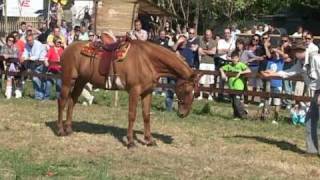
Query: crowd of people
x=39, y=50
x=257, y=53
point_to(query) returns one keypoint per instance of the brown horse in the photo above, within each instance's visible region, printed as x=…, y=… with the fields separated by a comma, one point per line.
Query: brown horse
x=139, y=74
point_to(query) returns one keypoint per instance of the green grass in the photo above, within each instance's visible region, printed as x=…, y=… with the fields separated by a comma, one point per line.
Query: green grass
x=207, y=144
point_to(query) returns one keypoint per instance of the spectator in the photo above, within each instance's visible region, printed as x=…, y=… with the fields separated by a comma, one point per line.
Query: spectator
x=275, y=64
x=311, y=47
x=235, y=32
x=92, y=36
x=11, y=54
x=236, y=83
x=299, y=32
x=164, y=41
x=23, y=29
x=288, y=63
x=308, y=69
x=56, y=33
x=298, y=113
x=19, y=43
x=193, y=44
x=138, y=33
x=83, y=36
x=74, y=35
x=181, y=49
x=224, y=49
x=52, y=62
x=32, y=58
x=260, y=30
x=45, y=31
x=64, y=29
x=207, y=50
x=168, y=29
x=226, y=45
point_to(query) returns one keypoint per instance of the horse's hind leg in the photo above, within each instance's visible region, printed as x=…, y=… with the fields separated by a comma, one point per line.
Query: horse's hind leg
x=62, y=101
x=78, y=87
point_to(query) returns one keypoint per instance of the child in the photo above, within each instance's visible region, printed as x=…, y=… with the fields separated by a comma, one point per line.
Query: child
x=298, y=113
x=236, y=83
x=275, y=64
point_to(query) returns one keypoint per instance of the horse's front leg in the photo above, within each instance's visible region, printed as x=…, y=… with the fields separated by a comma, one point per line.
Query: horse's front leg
x=133, y=102
x=146, y=107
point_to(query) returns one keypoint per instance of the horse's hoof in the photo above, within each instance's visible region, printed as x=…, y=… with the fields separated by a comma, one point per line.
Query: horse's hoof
x=131, y=145
x=69, y=131
x=151, y=143
x=61, y=132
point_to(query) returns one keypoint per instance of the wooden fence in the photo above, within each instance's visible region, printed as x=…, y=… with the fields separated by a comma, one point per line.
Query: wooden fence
x=28, y=73
x=14, y=23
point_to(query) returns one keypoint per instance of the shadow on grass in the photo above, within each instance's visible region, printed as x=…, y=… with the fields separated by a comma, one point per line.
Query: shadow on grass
x=116, y=132
x=283, y=145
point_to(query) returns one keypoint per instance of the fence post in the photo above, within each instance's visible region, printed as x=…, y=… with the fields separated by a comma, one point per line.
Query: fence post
x=5, y=18
x=116, y=99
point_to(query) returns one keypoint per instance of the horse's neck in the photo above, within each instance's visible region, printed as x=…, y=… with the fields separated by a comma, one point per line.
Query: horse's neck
x=170, y=65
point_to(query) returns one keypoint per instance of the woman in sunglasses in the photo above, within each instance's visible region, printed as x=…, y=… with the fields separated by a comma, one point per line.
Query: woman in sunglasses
x=54, y=67
x=10, y=53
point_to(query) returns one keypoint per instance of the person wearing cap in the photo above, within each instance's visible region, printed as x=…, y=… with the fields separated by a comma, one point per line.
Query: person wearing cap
x=310, y=70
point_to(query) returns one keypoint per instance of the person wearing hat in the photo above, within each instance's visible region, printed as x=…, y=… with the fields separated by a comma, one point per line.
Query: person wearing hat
x=309, y=69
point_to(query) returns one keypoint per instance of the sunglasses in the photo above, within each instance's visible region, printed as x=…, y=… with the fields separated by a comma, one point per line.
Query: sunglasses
x=284, y=41
x=91, y=35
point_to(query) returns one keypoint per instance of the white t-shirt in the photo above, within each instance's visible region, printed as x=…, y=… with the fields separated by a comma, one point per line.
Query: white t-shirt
x=296, y=34
x=223, y=44
x=143, y=35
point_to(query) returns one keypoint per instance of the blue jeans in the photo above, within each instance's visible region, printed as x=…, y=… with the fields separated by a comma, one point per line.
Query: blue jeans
x=38, y=83
x=48, y=85
x=312, y=119
x=170, y=95
x=287, y=88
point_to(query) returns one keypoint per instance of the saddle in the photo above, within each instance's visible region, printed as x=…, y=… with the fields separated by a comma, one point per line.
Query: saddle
x=110, y=50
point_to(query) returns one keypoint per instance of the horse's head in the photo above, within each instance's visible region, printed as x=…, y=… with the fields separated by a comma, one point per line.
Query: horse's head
x=185, y=90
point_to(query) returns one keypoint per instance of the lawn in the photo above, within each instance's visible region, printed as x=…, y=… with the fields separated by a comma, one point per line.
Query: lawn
x=207, y=144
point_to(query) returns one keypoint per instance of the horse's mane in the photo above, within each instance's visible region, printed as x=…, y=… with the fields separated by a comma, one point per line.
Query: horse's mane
x=161, y=57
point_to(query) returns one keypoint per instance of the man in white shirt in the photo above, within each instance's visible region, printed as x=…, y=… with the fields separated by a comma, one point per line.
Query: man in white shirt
x=138, y=33
x=226, y=45
x=311, y=47
x=310, y=71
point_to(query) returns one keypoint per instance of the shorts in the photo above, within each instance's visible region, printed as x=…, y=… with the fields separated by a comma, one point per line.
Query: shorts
x=276, y=101
x=207, y=79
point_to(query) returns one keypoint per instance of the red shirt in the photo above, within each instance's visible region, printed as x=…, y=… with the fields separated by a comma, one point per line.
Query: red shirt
x=53, y=56
x=20, y=45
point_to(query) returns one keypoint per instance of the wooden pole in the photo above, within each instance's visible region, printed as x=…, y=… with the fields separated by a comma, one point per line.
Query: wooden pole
x=5, y=18
x=116, y=98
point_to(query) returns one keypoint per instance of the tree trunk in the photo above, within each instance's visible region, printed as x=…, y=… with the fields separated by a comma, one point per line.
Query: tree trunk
x=196, y=17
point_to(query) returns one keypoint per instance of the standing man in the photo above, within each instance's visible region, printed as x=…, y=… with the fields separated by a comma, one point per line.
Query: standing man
x=310, y=70
x=207, y=50
x=164, y=41
x=138, y=33
x=193, y=44
x=224, y=50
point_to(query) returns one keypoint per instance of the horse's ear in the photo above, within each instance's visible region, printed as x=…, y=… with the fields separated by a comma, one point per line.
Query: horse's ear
x=108, y=38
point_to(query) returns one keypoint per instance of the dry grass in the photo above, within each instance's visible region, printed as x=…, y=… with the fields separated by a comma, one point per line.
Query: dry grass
x=198, y=147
